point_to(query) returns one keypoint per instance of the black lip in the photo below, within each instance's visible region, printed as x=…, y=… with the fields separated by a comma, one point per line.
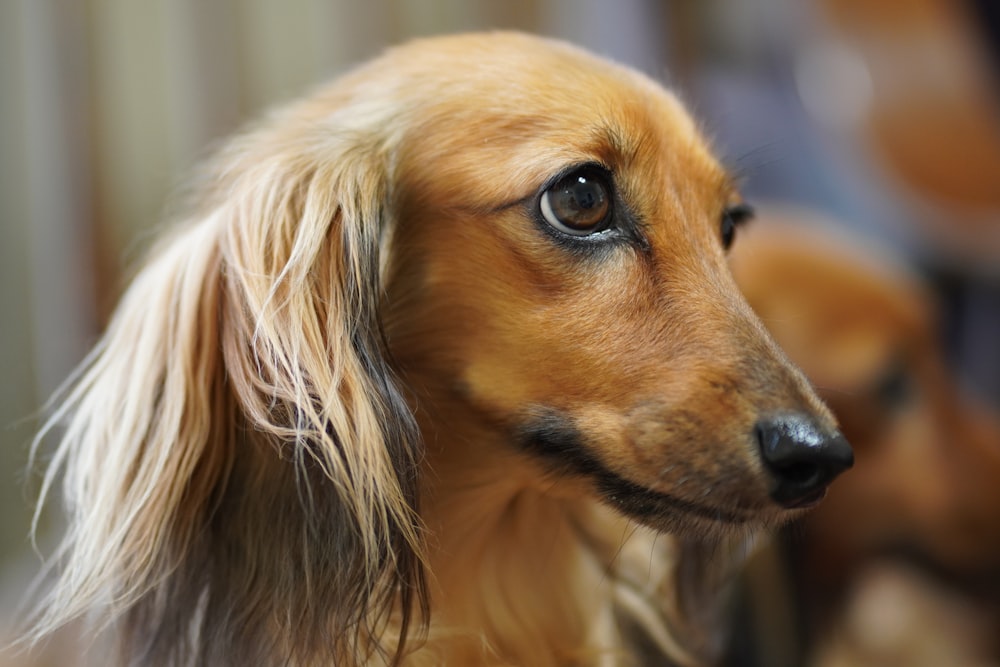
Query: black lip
x=807, y=501
x=647, y=505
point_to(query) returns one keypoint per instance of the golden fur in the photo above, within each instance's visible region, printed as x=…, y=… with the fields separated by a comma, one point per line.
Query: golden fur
x=362, y=407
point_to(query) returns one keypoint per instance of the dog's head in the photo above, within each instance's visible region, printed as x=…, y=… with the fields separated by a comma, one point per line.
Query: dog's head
x=521, y=245
x=559, y=272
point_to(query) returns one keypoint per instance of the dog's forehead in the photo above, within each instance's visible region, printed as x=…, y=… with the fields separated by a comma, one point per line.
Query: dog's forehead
x=528, y=108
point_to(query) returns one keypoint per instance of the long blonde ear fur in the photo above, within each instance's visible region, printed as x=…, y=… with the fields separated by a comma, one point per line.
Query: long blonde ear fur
x=239, y=464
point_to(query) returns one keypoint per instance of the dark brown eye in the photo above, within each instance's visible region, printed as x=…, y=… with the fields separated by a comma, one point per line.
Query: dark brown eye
x=733, y=217
x=579, y=204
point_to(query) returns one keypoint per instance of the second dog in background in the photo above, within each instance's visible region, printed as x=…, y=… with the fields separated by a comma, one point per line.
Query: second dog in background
x=926, y=489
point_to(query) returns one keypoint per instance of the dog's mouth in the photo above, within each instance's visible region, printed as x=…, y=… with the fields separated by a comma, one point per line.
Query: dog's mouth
x=553, y=439
x=798, y=460
x=659, y=509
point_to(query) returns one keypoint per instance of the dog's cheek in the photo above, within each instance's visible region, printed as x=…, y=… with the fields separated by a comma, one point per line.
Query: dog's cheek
x=545, y=339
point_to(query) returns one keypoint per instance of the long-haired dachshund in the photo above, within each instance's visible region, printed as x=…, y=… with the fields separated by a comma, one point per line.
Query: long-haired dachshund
x=445, y=366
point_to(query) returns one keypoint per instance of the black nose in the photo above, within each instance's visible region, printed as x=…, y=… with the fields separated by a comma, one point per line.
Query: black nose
x=801, y=458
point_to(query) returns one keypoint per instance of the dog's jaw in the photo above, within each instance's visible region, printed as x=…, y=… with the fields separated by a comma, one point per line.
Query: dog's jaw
x=530, y=568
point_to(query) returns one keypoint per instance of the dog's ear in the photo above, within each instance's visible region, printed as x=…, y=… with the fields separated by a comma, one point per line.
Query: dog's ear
x=240, y=466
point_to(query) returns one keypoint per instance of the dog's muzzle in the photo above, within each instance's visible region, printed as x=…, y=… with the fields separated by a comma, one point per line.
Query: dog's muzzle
x=801, y=458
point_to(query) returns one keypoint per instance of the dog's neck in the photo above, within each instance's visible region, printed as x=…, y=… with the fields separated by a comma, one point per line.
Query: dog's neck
x=526, y=569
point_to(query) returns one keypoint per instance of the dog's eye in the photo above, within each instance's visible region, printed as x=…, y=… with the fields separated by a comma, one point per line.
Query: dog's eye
x=578, y=204
x=733, y=217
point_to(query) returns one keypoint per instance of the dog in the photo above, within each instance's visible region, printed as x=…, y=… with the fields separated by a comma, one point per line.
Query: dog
x=444, y=365
x=862, y=325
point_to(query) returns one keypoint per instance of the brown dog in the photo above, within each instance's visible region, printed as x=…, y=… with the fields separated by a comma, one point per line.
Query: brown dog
x=861, y=326
x=440, y=354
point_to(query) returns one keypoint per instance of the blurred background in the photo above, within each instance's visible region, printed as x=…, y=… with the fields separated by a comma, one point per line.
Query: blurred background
x=881, y=119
